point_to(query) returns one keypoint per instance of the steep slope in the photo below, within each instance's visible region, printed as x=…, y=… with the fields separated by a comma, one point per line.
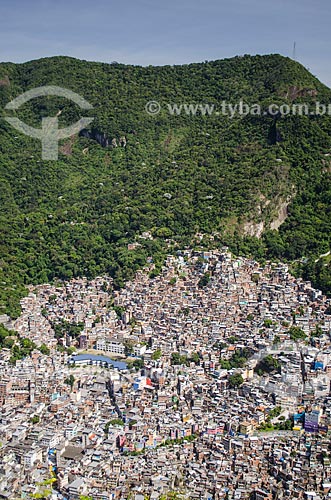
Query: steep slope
x=169, y=175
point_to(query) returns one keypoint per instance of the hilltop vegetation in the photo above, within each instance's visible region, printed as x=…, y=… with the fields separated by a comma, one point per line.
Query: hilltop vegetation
x=176, y=176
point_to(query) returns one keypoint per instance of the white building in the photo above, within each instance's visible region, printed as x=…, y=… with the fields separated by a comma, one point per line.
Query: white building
x=32, y=456
x=139, y=350
x=70, y=431
x=111, y=345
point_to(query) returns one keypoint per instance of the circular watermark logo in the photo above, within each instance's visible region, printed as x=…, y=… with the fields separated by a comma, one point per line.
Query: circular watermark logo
x=49, y=134
x=153, y=108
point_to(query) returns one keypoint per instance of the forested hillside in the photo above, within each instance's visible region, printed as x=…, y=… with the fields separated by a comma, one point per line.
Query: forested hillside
x=260, y=184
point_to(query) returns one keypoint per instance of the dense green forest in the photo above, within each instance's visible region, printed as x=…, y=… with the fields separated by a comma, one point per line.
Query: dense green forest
x=175, y=177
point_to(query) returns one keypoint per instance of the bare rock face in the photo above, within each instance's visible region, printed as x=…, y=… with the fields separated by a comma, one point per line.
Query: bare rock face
x=279, y=212
x=5, y=82
x=253, y=229
x=102, y=139
x=66, y=149
x=282, y=215
x=293, y=92
x=97, y=136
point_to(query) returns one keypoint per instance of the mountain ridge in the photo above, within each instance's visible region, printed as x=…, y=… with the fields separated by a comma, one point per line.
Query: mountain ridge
x=176, y=176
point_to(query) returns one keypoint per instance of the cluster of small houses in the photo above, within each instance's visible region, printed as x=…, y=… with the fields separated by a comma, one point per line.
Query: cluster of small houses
x=118, y=430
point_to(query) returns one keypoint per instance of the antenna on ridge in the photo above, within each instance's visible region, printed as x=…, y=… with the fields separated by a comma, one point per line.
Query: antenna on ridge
x=294, y=51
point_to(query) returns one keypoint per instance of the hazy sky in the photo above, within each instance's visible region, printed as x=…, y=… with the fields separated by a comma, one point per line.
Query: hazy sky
x=169, y=32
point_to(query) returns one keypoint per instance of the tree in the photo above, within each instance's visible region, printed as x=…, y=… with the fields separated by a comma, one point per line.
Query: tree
x=157, y=354
x=119, y=310
x=138, y=363
x=128, y=347
x=132, y=423
x=225, y=364
x=232, y=339
x=297, y=333
x=267, y=365
x=4, y=333
x=63, y=328
x=237, y=360
x=35, y=419
x=8, y=343
x=275, y=412
x=235, y=380
x=276, y=340
x=173, y=495
x=284, y=425
x=178, y=359
x=204, y=280
x=44, y=312
x=195, y=358
x=44, y=350
x=318, y=332
x=114, y=421
x=44, y=489
x=70, y=381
